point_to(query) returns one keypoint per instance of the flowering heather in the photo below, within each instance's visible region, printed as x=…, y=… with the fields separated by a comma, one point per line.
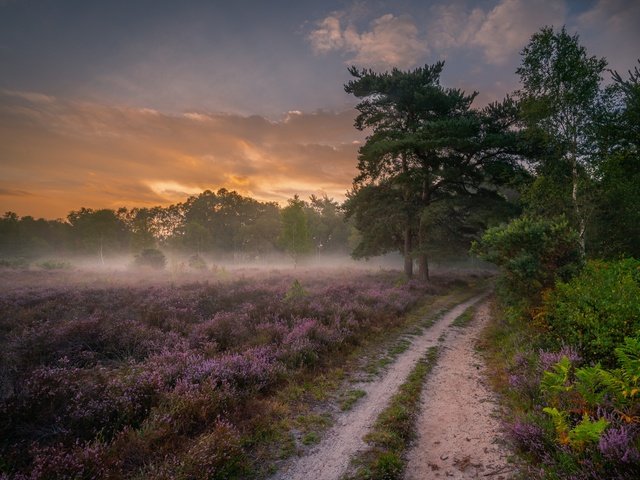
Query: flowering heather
x=547, y=359
x=620, y=444
x=154, y=380
x=615, y=454
x=529, y=437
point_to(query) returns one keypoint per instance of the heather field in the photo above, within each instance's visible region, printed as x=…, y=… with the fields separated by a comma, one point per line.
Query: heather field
x=114, y=376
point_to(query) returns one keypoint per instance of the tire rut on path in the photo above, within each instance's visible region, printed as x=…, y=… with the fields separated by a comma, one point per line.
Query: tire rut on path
x=330, y=459
x=459, y=436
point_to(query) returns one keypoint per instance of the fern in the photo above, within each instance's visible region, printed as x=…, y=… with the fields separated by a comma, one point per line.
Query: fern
x=559, y=420
x=593, y=384
x=587, y=431
x=556, y=381
x=628, y=356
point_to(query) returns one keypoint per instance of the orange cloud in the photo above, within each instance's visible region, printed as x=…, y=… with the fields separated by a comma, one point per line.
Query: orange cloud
x=58, y=155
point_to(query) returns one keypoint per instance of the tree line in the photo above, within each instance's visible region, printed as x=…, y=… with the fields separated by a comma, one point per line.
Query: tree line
x=222, y=223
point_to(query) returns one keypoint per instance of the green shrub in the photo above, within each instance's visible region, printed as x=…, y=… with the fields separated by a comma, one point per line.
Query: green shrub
x=196, y=262
x=17, y=263
x=295, y=292
x=596, y=310
x=215, y=455
x=54, y=265
x=151, y=257
x=533, y=253
x=388, y=466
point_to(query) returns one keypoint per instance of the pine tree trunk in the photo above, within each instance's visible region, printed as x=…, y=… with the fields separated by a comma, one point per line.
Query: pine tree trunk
x=423, y=267
x=408, y=259
x=423, y=259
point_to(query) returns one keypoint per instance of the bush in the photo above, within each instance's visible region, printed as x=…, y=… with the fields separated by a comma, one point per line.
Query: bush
x=596, y=310
x=295, y=292
x=17, y=263
x=533, y=253
x=217, y=454
x=196, y=262
x=54, y=265
x=151, y=257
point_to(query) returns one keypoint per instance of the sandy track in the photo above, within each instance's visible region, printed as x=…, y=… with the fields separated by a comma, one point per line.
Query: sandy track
x=330, y=459
x=459, y=435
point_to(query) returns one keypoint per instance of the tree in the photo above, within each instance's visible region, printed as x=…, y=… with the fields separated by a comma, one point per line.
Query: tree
x=295, y=237
x=99, y=231
x=226, y=221
x=151, y=257
x=366, y=206
x=427, y=146
x=617, y=220
x=560, y=89
x=139, y=222
x=27, y=236
x=327, y=225
x=532, y=252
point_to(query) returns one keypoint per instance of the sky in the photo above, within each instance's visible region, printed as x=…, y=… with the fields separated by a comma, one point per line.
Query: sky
x=130, y=103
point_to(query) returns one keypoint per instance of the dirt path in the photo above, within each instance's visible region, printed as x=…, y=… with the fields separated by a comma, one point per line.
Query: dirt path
x=330, y=458
x=458, y=433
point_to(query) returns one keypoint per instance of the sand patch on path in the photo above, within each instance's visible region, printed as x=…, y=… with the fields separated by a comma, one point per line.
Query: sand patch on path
x=459, y=435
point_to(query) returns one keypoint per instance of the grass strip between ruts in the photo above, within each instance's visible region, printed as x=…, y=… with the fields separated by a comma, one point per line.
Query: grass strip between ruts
x=394, y=428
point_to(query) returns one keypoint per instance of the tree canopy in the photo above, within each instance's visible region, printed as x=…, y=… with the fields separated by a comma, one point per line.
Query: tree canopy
x=558, y=101
x=427, y=146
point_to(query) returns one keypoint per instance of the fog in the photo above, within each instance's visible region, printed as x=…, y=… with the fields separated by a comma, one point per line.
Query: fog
x=86, y=271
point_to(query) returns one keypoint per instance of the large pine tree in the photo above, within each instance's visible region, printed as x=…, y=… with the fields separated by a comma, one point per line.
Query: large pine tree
x=426, y=146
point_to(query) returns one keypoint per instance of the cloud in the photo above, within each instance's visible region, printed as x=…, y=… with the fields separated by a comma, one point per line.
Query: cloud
x=508, y=27
x=498, y=32
x=9, y=192
x=390, y=41
x=328, y=35
x=32, y=97
x=453, y=26
x=69, y=154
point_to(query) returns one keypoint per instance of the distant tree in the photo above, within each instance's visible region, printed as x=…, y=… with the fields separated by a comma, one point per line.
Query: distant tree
x=140, y=224
x=9, y=233
x=558, y=98
x=152, y=258
x=427, y=146
x=225, y=221
x=260, y=235
x=295, y=237
x=327, y=225
x=98, y=231
x=196, y=237
x=30, y=237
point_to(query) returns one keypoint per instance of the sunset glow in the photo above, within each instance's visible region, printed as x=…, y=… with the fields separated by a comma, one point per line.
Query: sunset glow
x=109, y=104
